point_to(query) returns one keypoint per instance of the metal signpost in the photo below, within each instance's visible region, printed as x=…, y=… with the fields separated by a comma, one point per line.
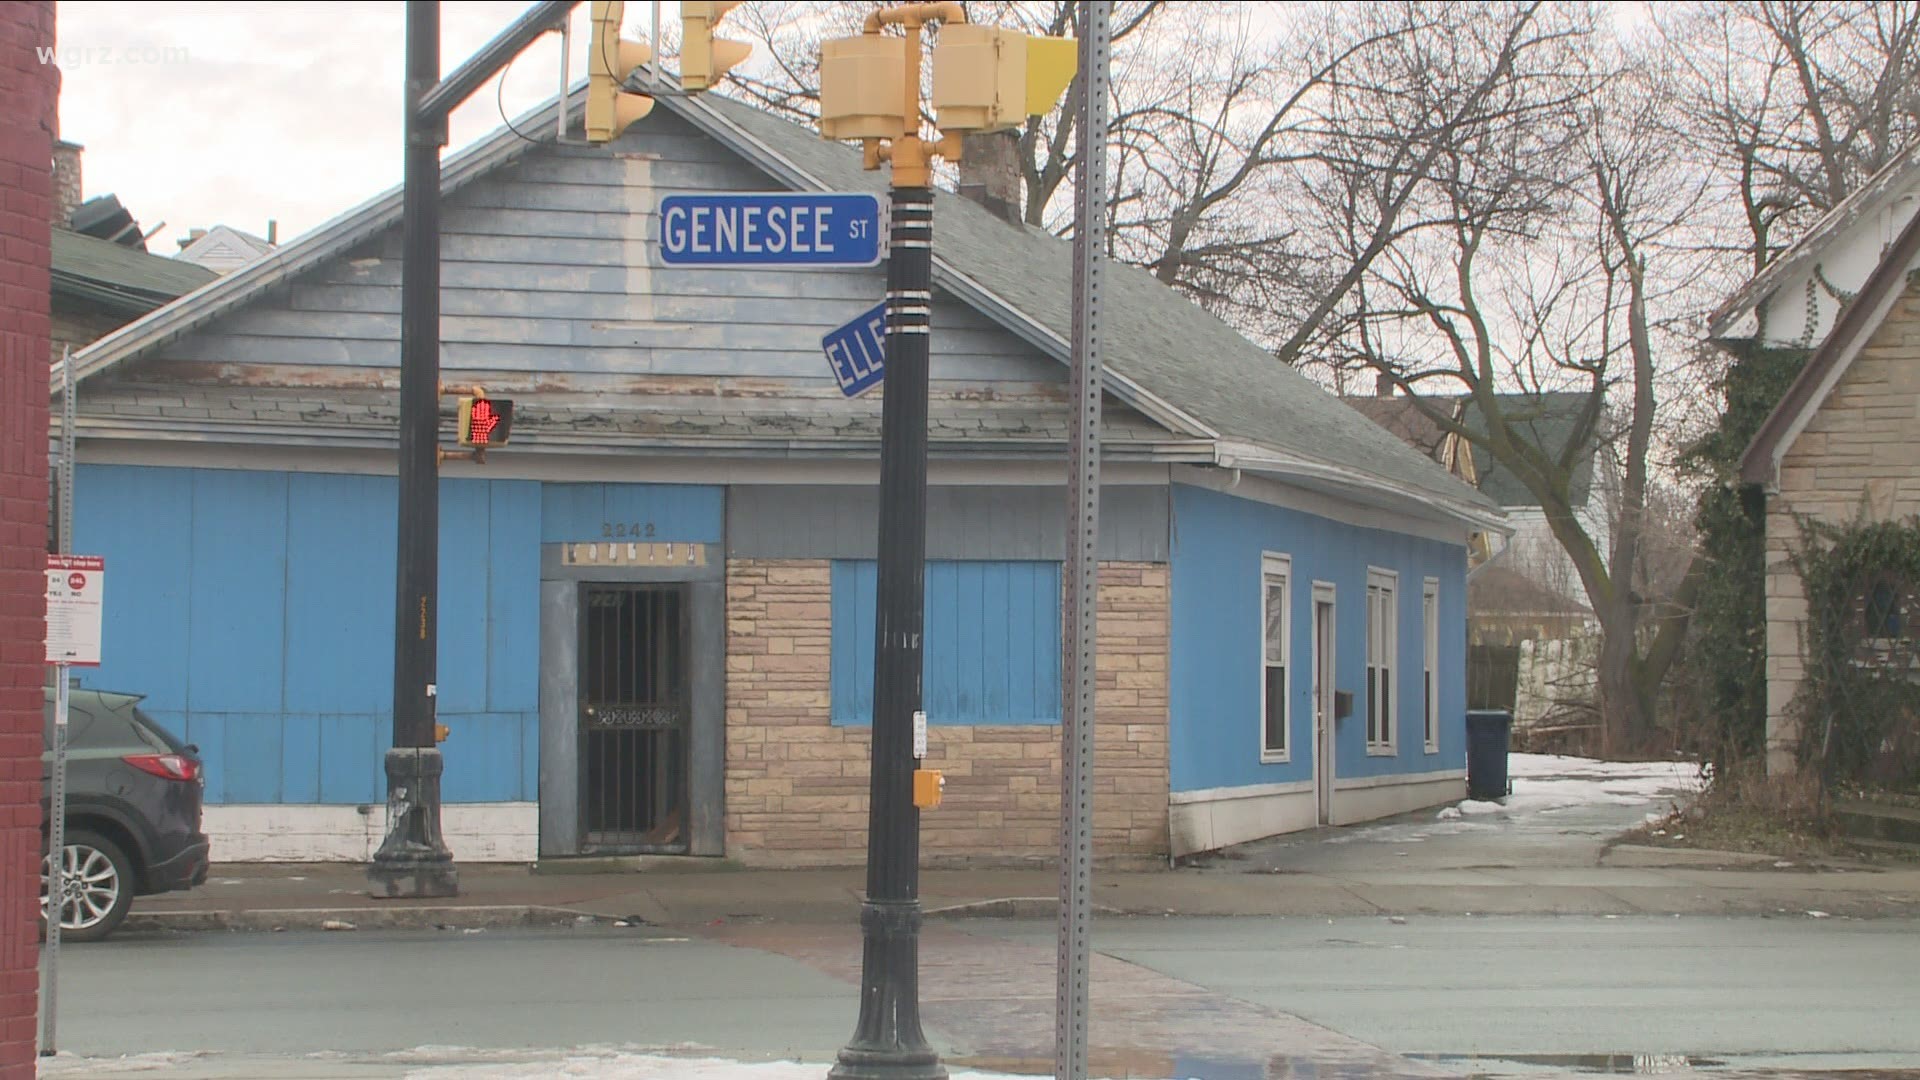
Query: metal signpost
x=857, y=352
x=76, y=588
x=785, y=229
x=1083, y=567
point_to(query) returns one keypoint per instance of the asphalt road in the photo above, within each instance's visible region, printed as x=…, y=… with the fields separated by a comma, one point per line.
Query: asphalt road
x=300, y=994
x=1787, y=992
x=1784, y=992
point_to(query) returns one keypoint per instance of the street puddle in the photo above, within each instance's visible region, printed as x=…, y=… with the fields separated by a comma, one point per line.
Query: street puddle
x=1477, y=1065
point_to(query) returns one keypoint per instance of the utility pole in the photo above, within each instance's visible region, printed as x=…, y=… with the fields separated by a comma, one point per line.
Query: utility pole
x=989, y=79
x=413, y=860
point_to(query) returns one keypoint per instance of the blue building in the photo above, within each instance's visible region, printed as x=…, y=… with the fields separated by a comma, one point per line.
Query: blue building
x=655, y=624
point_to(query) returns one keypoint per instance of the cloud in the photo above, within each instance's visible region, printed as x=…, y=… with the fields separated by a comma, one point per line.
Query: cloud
x=198, y=114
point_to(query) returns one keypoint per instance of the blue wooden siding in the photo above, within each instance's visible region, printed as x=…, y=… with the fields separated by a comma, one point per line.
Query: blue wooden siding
x=992, y=650
x=255, y=611
x=1214, y=729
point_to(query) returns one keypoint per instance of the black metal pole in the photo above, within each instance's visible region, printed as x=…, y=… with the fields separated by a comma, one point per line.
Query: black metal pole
x=888, y=1044
x=413, y=860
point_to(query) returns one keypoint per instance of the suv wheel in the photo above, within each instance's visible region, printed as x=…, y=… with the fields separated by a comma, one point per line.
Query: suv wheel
x=99, y=886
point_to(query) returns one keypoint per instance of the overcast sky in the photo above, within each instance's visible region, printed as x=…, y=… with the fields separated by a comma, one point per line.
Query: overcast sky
x=199, y=114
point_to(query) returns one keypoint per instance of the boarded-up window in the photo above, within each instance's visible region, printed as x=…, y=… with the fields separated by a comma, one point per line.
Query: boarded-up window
x=992, y=647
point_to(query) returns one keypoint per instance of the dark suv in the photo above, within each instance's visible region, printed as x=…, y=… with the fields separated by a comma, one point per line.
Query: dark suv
x=133, y=811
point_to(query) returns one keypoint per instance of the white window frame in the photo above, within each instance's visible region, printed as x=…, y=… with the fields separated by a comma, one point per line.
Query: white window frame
x=1383, y=632
x=1430, y=662
x=1276, y=566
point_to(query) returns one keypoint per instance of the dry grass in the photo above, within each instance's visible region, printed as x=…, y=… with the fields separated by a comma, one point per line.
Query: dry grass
x=1749, y=811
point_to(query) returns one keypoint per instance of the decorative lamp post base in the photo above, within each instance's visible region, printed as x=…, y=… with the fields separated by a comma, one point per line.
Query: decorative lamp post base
x=413, y=861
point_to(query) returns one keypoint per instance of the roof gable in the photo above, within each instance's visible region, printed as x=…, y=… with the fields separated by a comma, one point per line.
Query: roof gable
x=1857, y=324
x=1890, y=192
x=1177, y=364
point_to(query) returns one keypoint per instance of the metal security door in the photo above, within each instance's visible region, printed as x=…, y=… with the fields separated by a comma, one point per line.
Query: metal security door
x=634, y=718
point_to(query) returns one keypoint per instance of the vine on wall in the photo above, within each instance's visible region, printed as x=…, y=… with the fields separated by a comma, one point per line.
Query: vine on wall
x=1859, y=706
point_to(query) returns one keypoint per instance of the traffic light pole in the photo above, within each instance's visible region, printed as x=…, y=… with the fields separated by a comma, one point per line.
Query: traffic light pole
x=888, y=1043
x=413, y=860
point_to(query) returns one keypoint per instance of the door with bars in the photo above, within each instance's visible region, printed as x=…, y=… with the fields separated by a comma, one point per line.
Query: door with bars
x=635, y=712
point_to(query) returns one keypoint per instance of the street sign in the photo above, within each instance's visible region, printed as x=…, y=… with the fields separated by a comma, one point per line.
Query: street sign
x=770, y=228
x=857, y=352
x=76, y=585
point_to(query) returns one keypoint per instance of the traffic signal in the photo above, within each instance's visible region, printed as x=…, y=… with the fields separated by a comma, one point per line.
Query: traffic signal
x=863, y=84
x=986, y=78
x=610, y=59
x=485, y=422
x=704, y=58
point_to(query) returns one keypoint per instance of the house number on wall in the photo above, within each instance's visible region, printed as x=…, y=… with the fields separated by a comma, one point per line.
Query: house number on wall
x=624, y=530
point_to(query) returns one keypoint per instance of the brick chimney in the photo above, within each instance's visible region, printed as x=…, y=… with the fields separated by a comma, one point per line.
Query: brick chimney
x=1383, y=385
x=67, y=190
x=990, y=173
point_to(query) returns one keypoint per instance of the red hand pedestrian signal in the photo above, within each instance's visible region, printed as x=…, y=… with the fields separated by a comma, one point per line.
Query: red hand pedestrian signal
x=485, y=422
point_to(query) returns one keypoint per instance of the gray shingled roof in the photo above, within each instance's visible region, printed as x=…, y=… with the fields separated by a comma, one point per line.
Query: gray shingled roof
x=121, y=278
x=1156, y=337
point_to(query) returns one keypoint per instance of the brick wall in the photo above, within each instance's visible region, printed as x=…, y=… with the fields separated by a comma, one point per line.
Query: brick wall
x=1859, y=454
x=30, y=90
x=797, y=785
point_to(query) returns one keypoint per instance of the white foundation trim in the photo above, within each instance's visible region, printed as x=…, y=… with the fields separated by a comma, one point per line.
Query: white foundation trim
x=1245, y=791
x=1237, y=818
x=476, y=832
x=1354, y=783
x=1373, y=797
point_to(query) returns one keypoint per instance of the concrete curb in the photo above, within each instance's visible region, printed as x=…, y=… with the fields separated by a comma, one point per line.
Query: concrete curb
x=1010, y=907
x=265, y=920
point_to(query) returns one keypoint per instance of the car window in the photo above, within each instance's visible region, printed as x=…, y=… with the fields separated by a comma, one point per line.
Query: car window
x=80, y=728
x=157, y=732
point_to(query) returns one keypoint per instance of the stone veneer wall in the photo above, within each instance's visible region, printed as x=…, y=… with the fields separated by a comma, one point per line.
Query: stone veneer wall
x=797, y=785
x=1860, y=453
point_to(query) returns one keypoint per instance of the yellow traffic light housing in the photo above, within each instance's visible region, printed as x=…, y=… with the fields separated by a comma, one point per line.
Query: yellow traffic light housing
x=986, y=78
x=485, y=422
x=863, y=87
x=610, y=59
x=704, y=58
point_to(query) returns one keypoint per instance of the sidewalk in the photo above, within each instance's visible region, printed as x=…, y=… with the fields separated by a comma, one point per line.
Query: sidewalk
x=1625, y=881
x=1549, y=848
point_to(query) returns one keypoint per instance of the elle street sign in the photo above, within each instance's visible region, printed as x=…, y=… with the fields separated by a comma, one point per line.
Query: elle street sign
x=759, y=228
x=857, y=352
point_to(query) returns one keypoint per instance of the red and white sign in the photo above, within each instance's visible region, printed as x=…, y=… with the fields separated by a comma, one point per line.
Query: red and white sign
x=76, y=590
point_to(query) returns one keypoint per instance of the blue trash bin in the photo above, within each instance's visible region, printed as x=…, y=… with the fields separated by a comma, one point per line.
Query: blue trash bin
x=1489, y=733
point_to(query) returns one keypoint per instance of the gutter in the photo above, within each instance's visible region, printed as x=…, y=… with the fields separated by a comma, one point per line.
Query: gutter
x=1231, y=455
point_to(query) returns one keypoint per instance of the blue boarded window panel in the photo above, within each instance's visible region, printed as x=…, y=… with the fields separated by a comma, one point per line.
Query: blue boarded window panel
x=992, y=651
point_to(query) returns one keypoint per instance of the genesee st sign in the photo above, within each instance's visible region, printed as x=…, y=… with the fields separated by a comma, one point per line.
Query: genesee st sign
x=764, y=229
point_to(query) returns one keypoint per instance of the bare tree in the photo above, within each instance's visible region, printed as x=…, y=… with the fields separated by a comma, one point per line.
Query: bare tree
x=1559, y=268
x=1792, y=104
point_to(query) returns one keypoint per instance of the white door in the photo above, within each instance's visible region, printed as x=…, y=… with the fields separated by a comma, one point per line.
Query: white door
x=1323, y=685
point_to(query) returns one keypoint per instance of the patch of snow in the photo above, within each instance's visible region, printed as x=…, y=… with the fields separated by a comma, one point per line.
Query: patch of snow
x=1478, y=806
x=1448, y=813
x=1819, y=914
x=646, y=1067
x=66, y=1063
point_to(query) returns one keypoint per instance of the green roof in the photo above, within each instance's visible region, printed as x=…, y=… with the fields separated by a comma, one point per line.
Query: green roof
x=117, y=277
x=1545, y=420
